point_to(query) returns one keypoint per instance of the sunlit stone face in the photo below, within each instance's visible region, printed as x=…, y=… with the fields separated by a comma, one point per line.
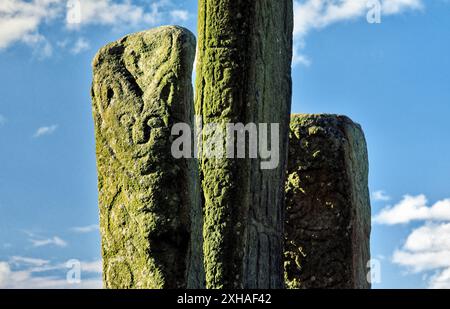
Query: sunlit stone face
x=141, y=86
x=134, y=104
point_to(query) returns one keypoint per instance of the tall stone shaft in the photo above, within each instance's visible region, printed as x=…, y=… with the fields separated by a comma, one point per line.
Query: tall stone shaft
x=244, y=76
x=328, y=223
x=150, y=210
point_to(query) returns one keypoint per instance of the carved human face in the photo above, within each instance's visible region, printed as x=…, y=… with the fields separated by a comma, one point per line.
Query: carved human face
x=133, y=110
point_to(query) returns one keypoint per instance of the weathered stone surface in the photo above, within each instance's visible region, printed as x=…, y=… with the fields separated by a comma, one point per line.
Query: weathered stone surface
x=150, y=210
x=328, y=207
x=244, y=76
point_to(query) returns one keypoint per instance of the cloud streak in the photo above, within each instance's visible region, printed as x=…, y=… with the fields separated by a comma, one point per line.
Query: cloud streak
x=310, y=15
x=110, y=13
x=85, y=229
x=42, y=131
x=179, y=15
x=18, y=260
x=81, y=45
x=380, y=196
x=22, y=20
x=28, y=273
x=53, y=241
x=414, y=208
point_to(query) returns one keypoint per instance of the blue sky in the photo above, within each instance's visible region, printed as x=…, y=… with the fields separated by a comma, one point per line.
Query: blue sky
x=393, y=78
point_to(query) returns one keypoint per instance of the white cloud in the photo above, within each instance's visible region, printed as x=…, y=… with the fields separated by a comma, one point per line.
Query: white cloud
x=81, y=44
x=55, y=241
x=414, y=208
x=380, y=196
x=179, y=15
x=5, y=273
x=2, y=120
x=92, y=267
x=118, y=14
x=397, y=6
x=441, y=280
x=316, y=14
x=28, y=261
x=45, y=131
x=26, y=273
x=22, y=20
x=41, y=46
x=312, y=15
x=300, y=59
x=427, y=248
x=19, y=18
x=85, y=229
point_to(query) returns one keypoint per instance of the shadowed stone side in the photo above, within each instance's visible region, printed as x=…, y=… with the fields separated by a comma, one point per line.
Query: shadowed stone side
x=150, y=210
x=328, y=207
x=244, y=76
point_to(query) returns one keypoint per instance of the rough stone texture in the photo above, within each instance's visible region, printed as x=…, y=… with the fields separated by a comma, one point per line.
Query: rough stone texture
x=150, y=210
x=244, y=75
x=328, y=207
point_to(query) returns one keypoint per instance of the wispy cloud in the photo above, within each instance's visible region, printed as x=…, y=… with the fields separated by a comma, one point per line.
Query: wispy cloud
x=29, y=273
x=42, y=48
x=92, y=267
x=18, y=260
x=414, y=208
x=179, y=15
x=441, y=280
x=81, y=45
x=380, y=196
x=23, y=20
x=312, y=15
x=300, y=59
x=53, y=241
x=85, y=229
x=48, y=130
x=120, y=14
x=317, y=14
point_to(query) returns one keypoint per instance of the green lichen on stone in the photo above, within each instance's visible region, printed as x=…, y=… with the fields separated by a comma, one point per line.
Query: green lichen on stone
x=244, y=75
x=150, y=210
x=327, y=226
